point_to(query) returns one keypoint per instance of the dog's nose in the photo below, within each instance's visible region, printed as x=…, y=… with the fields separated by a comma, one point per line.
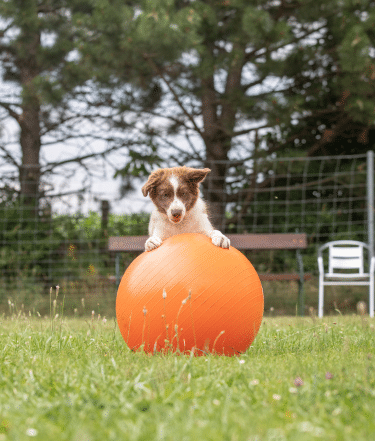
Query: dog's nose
x=176, y=213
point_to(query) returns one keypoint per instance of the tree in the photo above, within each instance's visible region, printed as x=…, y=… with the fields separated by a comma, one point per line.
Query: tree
x=33, y=67
x=227, y=71
x=336, y=86
x=50, y=94
x=334, y=115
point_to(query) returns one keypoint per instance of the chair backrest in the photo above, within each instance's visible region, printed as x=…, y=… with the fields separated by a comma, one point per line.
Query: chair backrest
x=345, y=258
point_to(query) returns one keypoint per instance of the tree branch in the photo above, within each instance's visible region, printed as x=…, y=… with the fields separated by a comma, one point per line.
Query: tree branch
x=9, y=156
x=248, y=86
x=158, y=71
x=11, y=112
x=52, y=165
x=245, y=131
x=270, y=49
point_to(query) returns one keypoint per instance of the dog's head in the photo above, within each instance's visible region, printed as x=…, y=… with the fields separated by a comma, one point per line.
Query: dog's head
x=174, y=191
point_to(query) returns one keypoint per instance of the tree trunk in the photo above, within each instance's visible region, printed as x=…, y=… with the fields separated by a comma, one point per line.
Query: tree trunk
x=104, y=231
x=30, y=168
x=214, y=184
x=218, y=133
x=29, y=121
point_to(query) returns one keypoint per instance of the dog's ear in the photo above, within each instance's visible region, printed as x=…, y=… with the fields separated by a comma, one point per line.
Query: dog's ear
x=196, y=175
x=153, y=180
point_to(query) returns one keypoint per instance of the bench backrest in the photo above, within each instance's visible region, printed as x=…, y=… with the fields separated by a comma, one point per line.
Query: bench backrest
x=239, y=241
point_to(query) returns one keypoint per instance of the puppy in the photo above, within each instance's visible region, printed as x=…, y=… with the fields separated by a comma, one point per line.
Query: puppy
x=178, y=206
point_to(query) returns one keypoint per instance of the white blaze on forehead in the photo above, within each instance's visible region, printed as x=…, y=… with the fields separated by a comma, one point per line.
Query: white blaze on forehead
x=174, y=182
x=176, y=204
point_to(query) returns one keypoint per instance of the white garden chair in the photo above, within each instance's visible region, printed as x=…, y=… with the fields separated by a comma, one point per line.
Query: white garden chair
x=345, y=267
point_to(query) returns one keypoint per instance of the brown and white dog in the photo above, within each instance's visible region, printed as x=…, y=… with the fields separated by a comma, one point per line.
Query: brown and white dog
x=179, y=207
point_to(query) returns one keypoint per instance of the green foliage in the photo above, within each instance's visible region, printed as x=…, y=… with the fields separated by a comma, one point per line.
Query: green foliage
x=257, y=24
x=354, y=49
x=49, y=249
x=336, y=82
x=142, y=163
x=83, y=242
x=20, y=231
x=53, y=76
x=88, y=227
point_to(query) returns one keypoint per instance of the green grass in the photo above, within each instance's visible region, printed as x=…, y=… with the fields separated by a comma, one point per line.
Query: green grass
x=75, y=379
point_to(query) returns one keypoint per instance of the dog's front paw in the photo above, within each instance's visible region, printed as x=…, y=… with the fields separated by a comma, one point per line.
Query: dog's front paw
x=219, y=239
x=152, y=243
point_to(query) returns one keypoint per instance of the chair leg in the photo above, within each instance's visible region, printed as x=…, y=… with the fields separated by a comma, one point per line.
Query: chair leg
x=371, y=300
x=321, y=298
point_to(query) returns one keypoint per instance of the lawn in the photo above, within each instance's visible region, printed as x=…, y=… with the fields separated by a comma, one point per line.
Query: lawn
x=74, y=379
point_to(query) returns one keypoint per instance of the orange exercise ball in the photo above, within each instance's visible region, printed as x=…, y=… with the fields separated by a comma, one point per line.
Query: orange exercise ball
x=189, y=294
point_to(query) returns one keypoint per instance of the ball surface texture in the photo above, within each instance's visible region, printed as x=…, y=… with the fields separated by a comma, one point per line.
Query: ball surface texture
x=190, y=294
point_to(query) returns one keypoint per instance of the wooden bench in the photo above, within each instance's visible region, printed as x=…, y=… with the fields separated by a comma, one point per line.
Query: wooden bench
x=242, y=242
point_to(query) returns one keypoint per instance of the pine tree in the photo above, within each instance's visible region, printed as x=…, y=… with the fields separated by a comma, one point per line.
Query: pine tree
x=335, y=86
x=38, y=65
x=227, y=69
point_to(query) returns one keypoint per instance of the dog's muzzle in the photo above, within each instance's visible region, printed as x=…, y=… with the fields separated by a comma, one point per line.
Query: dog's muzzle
x=176, y=215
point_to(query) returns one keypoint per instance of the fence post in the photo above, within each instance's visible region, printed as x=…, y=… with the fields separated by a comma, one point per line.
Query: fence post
x=104, y=220
x=370, y=200
x=104, y=232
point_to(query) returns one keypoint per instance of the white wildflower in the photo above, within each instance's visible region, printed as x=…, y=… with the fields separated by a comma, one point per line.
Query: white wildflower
x=31, y=432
